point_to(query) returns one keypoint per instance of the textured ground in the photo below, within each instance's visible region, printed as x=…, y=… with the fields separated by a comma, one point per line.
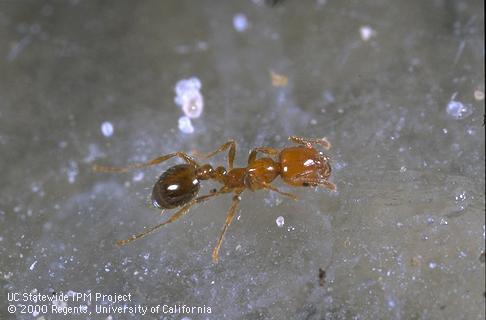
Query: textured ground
x=396, y=86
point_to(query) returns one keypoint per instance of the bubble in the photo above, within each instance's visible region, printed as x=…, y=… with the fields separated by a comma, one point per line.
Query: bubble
x=478, y=95
x=189, y=98
x=192, y=104
x=432, y=265
x=107, y=129
x=187, y=85
x=185, y=125
x=403, y=169
x=457, y=110
x=280, y=221
x=240, y=22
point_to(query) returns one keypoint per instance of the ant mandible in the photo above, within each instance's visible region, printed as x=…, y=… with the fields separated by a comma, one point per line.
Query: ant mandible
x=300, y=165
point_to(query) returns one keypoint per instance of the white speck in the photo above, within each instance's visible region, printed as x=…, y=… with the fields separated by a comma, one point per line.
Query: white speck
x=240, y=22
x=35, y=187
x=391, y=303
x=18, y=47
x=201, y=45
x=93, y=153
x=32, y=266
x=457, y=110
x=460, y=197
x=185, y=125
x=195, y=181
x=432, y=265
x=173, y=187
x=72, y=171
x=280, y=221
x=367, y=33
x=339, y=165
x=138, y=176
x=478, y=95
x=107, y=129
x=403, y=169
x=285, y=169
x=444, y=130
x=328, y=97
x=313, y=121
x=460, y=50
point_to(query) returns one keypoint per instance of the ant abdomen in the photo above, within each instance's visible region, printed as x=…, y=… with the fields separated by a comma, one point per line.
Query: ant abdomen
x=175, y=187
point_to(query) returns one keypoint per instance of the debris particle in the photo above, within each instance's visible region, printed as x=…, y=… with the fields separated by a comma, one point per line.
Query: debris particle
x=322, y=277
x=415, y=262
x=278, y=80
x=32, y=266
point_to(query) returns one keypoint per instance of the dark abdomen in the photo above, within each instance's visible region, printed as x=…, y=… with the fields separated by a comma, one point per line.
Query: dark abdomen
x=175, y=187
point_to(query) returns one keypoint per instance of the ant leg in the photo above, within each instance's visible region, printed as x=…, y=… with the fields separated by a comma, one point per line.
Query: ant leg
x=152, y=162
x=229, y=218
x=264, y=150
x=231, y=144
x=327, y=184
x=270, y=187
x=173, y=218
x=309, y=141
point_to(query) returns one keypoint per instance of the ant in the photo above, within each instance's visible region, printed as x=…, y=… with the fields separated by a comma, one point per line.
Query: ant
x=300, y=165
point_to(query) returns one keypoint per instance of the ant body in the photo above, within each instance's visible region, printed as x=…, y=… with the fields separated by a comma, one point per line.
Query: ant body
x=300, y=165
